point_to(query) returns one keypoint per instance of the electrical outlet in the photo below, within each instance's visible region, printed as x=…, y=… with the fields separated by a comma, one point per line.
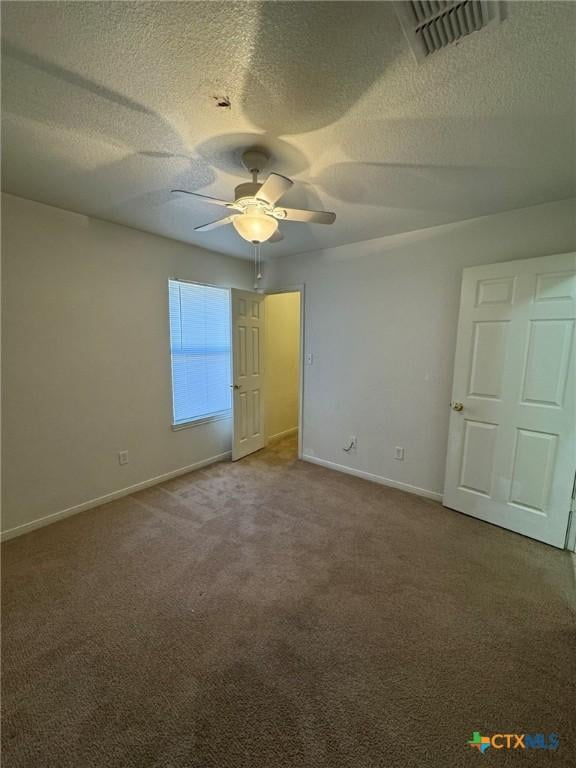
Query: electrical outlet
x=399, y=453
x=122, y=457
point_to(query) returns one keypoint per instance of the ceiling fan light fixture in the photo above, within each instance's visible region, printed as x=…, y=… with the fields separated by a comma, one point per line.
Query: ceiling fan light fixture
x=256, y=220
x=255, y=226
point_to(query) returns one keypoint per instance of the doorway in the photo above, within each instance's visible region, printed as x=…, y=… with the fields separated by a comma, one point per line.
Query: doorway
x=283, y=366
x=267, y=379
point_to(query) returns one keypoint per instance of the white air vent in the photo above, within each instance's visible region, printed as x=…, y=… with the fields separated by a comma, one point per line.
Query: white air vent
x=430, y=26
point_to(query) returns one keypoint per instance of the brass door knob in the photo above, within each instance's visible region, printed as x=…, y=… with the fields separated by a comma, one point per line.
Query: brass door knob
x=457, y=406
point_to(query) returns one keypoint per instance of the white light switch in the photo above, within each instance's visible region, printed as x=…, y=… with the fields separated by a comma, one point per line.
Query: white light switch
x=399, y=453
x=309, y=358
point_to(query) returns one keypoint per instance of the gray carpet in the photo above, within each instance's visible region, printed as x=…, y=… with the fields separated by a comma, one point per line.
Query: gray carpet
x=272, y=613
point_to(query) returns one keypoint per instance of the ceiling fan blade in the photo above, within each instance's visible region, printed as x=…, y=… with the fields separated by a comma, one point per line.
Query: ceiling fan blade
x=311, y=217
x=206, y=198
x=273, y=188
x=276, y=237
x=214, y=224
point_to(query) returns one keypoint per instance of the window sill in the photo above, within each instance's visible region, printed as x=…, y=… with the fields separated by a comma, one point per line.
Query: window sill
x=202, y=420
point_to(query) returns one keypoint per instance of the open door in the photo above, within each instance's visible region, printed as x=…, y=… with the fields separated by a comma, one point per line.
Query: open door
x=247, y=317
x=512, y=444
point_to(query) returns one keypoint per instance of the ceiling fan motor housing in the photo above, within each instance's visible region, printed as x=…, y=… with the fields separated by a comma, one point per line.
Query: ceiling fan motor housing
x=249, y=189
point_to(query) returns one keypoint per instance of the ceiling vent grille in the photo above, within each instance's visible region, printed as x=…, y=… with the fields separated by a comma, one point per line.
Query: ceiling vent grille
x=432, y=25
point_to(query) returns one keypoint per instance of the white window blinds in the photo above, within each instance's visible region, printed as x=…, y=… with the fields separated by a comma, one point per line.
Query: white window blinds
x=200, y=350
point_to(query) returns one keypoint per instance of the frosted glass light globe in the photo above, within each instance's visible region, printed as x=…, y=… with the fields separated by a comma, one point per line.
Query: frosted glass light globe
x=254, y=225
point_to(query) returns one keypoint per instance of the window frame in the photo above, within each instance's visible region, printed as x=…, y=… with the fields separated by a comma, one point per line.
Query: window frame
x=209, y=418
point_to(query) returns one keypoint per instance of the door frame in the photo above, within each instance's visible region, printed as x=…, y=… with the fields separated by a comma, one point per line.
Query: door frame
x=571, y=532
x=301, y=290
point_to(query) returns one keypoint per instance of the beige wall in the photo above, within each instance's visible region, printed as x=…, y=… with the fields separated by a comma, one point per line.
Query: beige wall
x=282, y=360
x=86, y=362
x=381, y=320
x=86, y=356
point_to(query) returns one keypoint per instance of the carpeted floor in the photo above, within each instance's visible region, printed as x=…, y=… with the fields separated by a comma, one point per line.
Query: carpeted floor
x=272, y=613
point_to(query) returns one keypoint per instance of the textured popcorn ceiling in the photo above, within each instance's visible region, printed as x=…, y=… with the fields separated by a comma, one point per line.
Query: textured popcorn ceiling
x=106, y=106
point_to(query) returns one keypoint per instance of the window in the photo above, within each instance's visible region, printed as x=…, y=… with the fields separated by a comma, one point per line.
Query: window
x=200, y=351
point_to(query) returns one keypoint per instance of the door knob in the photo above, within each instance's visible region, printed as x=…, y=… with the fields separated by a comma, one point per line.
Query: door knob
x=457, y=406
x=234, y=386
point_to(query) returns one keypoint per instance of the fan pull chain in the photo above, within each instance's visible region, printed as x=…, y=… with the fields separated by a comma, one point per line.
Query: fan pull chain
x=257, y=265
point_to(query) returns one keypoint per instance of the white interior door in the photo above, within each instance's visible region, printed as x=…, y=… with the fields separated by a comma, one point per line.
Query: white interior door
x=512, y=444
x=247, y=372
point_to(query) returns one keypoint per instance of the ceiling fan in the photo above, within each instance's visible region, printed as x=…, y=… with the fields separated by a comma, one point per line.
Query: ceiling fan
x=257, y=214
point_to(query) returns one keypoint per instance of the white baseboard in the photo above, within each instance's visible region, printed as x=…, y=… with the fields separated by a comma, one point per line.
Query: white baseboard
x=280, y=435
x=374, y=478
x=11, y=533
